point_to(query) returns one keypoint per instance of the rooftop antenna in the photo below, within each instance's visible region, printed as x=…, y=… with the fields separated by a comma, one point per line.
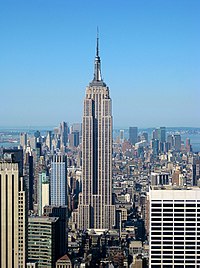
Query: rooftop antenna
x=97, y=52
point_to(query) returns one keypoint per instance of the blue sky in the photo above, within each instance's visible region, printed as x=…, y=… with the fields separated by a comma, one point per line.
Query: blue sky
x=149, y=51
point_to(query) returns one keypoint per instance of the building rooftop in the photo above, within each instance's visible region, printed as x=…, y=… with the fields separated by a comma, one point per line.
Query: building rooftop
x=175, y=187
x=64, y=258
x=41, y=219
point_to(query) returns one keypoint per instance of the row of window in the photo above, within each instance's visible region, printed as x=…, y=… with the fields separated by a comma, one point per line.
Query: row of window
x=173, y=254
x=175, y=215
x=175, y=233
x=175, y=219
x=176, y=208
x=193, y=238
x=175, y=201
x=169, y=228
x=175, y=247
x=174, y=266
x=175, y=205
x=173, y=261
x=173, y=223
x=158, y=242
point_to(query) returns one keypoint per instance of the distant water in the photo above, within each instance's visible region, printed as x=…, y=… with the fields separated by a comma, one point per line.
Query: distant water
x=194, y=140
x=14, y=133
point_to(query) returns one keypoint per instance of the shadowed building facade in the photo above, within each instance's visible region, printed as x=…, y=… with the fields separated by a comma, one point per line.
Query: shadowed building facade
x=95, y=208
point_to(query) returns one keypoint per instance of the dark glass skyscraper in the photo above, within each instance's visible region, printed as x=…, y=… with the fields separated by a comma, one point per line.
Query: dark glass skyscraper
x=133, y=135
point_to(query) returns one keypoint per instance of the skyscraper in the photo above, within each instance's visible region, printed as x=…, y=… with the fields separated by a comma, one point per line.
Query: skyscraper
x=13, y=216
x=23, y=140
x=63, y=133
x=177, y=142
x=74, y=139
x=133, y=135
x=43, y=192
x=174, y=227
x=95, y=202
x=29, y=178
x=60, y=212
x=49, y=140
x=121, y=135
x=59, y=180
x=196, y=171
x=43, y=241
x=162, y=134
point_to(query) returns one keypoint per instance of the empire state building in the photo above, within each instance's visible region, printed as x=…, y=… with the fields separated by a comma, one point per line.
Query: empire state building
x=95, y=208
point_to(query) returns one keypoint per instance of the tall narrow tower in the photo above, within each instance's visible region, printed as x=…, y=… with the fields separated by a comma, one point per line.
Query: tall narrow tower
x=95, y=202
x=13, y=215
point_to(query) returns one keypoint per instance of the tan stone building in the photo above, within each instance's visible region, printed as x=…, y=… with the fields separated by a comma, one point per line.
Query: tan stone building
x=95, y=202
x=64, y=262
x=12, y=217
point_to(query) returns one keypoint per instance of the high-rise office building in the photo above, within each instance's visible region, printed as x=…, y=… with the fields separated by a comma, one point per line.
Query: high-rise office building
x=174, y=231
x=58, y=180
x=155, y=147
x=162, y=134
x=95, y=202
x=196, y=172
x=159, y=134
x=177, y=142
x=17, y=157
x=133, y=135
x=29, y=178
x=23, y=140
x=61, y=212
x=32, y=141
x=188, y=145
x=13, y=215
x=78, y=127
x=121, y=135
x=155, y=134
x=38, y=151
x=23, y=224
x=43, y=241
x=63, y=133
x=74, y=139
x=49, y=140
x=43, y=192
x=170, y=140
x=39, y=166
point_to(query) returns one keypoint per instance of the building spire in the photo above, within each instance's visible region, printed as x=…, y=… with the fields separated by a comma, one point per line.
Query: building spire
x=97, y=63
x=97, y=51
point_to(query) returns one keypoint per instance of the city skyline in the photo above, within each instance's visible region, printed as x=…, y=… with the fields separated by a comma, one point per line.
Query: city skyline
x=149, y=53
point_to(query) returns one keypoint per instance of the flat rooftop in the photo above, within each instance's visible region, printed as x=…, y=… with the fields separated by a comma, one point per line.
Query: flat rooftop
x=42, y=219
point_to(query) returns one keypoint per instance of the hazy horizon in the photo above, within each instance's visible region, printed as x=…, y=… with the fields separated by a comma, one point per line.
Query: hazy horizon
x=43, y=127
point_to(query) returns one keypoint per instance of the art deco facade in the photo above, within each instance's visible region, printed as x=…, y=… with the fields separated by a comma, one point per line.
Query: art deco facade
x=13, y=217
x=95, y=203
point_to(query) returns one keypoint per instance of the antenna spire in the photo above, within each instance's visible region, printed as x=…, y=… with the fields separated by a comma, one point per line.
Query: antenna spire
x=97, y=63
x=97, y=52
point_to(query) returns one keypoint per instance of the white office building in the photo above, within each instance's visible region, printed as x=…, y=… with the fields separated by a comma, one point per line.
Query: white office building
x=174, y=227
